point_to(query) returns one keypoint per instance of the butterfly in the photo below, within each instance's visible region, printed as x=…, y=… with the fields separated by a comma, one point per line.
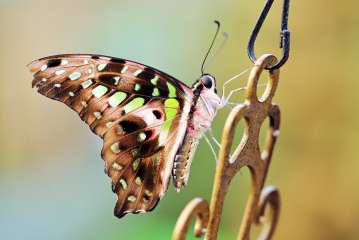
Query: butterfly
x=150, y=122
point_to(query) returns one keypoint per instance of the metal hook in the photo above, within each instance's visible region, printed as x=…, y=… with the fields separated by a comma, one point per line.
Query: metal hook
x=284, y=34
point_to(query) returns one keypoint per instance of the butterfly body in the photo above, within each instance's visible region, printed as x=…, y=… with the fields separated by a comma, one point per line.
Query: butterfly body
x=205, y=105
x=149, y=121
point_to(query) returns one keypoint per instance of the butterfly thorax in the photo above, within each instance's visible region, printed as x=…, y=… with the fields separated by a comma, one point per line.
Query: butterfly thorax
x=205, y=105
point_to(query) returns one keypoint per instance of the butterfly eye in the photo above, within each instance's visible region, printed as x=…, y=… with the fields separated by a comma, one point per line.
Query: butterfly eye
x=207, y=81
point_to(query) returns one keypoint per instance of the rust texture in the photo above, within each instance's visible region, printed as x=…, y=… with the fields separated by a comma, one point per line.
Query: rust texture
x=253, y=112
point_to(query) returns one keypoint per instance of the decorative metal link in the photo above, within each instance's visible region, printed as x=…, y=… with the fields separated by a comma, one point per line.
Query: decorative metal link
x=284, y=34
x=198, y=208
x=253, y=112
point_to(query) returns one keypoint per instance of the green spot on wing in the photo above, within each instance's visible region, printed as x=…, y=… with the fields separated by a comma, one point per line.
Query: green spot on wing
x=137, y=87
x=171, y=106
x=165, y=128
x=171, y=109
x=99, y=91
x=117, y=99
x=155, y=92
x=155, y=80
x=171, y=103
x=135, y=164
x=171, y=89
x=134, y=104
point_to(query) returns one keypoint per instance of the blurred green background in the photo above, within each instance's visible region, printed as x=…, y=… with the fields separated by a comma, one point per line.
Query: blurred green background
x=52, y=184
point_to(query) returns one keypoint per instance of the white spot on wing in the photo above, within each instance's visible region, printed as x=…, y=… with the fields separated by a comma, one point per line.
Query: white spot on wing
x=105, y=58
x=123, y=183
x=137, y=72
x=84, y=104
x=86, y=83
x=117, y=79
x=115, y=148
x=138, y=181
x=124, y=69
x=43, y=67
x=74, y=76
x=101, y=67
x=97, y=115
x=131, y=198
x=109, y=124
x=116, y=166
x=141, y=137
x=60, y=72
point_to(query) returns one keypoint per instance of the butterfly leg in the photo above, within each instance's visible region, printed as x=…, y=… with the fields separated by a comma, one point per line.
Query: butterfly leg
x=232, y=103
x=216, y=141
x=232, y=92
x=214, y=138
x=226, y=99
x=216, y=149
x=230, y=80
x=211, y=147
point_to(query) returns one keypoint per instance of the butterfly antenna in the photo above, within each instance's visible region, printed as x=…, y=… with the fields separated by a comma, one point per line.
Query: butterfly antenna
x=211, y=46
x=225, y=38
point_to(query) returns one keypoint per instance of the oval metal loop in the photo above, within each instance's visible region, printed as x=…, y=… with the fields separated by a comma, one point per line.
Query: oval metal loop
x=262, y=63
x=197, y=208
x=284, y=35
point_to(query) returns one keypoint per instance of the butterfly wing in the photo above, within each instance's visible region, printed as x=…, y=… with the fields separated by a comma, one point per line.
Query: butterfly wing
x=140, y=112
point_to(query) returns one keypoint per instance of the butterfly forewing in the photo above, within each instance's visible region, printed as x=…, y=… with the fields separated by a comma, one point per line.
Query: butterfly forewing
x=139, y=112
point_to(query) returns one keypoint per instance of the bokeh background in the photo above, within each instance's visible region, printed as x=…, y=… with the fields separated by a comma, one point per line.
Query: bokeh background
x=52, y=184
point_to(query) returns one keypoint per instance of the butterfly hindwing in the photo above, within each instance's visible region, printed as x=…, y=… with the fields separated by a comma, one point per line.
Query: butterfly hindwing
x=139, y=112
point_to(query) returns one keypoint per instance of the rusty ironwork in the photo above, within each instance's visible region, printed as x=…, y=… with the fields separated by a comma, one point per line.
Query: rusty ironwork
x=254, y=111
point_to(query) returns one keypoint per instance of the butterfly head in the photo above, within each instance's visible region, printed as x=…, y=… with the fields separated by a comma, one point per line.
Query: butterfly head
x=206, y=83
x=205, y=88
